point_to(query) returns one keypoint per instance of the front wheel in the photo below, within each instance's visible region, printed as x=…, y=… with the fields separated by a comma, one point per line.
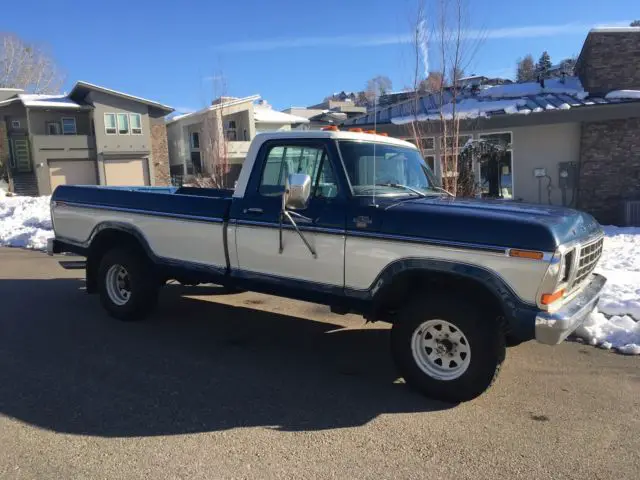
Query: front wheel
x=127, y=284
x=447, y=350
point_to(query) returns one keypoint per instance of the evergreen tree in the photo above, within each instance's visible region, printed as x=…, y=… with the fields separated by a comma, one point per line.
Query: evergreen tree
x=526, y=70
x=544, y=65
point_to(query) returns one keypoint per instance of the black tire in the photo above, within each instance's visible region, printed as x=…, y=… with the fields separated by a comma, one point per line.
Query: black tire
x=142, y=284
x=485, y=339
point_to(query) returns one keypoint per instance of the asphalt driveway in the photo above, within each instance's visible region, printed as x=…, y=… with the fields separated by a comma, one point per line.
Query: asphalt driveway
x=253, y=386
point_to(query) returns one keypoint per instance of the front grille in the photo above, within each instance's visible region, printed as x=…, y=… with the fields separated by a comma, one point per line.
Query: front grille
x=589, y=256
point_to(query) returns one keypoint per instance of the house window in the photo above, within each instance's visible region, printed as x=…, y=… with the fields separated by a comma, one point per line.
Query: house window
x=496, y=177
x=462, y=140
x=245, y=135
x=123, y=124
x=230, y=130
x=53, y=128
x=110, y=123
x=69, y=126
x=430, y=160
x=136, y=123
x=195, y=140
x=15, y=123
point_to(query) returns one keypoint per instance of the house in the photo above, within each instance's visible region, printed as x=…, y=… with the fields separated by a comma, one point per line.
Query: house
x=573, y=140
x=223, y=130
x=333, y=111
x=91, y=136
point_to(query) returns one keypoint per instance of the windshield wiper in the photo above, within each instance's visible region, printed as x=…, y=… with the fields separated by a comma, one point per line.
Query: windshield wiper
x=398, y=185
x=439, y=189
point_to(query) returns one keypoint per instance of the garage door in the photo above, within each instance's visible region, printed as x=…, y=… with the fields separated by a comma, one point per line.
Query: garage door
x=72, y=172
x=127, y=171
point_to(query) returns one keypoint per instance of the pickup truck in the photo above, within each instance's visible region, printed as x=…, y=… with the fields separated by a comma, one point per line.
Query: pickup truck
x=358, y=222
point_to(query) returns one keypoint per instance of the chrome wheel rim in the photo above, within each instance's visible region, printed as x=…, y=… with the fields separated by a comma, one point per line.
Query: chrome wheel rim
x=440, y=349
x=118, y=284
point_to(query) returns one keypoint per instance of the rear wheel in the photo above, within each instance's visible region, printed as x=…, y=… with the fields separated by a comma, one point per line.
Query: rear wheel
x=447, y=350
x=127, y=284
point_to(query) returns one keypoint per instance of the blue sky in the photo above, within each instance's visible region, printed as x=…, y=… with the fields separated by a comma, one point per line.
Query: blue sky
x=290, y=52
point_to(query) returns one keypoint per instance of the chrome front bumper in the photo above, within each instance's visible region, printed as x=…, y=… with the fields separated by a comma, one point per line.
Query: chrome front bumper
x=553, y=328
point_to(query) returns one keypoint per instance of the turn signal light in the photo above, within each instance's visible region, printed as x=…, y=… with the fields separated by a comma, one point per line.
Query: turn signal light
x=331, y=128
x=549, y=298
x=356, y=130
x=383, y=134
x=526, y=254
x=370, y=131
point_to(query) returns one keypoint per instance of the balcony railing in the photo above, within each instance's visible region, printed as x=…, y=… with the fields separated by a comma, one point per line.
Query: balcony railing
x=65, y=143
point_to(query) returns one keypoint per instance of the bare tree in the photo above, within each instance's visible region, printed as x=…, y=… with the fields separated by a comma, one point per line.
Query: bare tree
x=526, y=69
x=453, y=48
x=214, y=139
x=377, y=86
x=27, y=66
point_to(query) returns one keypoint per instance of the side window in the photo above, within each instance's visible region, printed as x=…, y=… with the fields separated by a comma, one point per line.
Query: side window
x=285, y=160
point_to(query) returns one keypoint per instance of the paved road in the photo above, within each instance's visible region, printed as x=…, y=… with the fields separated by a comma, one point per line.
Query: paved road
x=251, y=386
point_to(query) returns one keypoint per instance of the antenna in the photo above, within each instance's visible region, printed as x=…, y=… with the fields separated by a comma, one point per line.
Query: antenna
x=375, y=116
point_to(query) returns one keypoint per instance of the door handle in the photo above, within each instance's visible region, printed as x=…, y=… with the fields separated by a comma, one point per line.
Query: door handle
x=254, y=210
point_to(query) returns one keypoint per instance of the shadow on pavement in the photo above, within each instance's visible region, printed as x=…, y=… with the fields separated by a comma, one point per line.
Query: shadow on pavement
x=195, y=366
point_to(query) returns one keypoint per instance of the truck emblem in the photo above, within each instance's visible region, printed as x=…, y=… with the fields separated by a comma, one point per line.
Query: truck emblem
x=362, y=222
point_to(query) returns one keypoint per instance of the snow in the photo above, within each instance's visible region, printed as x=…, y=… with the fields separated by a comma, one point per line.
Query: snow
x=616, y=322
x=24, y=221
x=569, y=86
x=268, y=115
x=468, y=108
x=623, y=95
x=50, y=101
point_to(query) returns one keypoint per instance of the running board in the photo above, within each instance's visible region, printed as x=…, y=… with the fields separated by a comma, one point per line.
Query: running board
x=73, y=264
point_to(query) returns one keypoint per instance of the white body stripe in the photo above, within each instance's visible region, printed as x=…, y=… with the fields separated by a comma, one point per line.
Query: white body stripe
x=367, y=257
x=186, y=240
x=257, y=250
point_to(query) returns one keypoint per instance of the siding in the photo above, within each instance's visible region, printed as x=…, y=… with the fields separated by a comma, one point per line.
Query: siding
x=38, y=120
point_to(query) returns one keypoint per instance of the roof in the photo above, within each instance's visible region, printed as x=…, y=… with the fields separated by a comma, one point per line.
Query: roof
x=268, y=115
x=217, y=106
x=5, y=89
x=512, y=99
x=605, y=29
x=338, y=135
x=48, y=101
x=83, y=88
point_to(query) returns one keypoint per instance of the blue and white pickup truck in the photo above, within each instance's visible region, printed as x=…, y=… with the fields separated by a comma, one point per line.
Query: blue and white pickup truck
x=358, y=222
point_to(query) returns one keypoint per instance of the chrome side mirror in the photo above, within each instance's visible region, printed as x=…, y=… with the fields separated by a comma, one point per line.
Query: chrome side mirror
x=297, y=191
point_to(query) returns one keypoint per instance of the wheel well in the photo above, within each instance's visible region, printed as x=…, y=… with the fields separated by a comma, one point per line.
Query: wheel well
x=406, y=285
x=101, y=244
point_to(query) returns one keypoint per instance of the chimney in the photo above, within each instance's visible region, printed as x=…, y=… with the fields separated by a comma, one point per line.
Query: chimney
x=610, y=60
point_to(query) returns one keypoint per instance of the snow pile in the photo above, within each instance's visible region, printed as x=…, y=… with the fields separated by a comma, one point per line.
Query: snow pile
x=616, y=322
x=569, y=86
x=25, y=222
x=623, y=95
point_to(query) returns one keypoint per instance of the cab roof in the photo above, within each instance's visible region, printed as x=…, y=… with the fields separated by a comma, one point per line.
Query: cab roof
x=337, y=135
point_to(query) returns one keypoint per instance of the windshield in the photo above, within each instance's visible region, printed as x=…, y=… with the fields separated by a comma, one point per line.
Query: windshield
x=397, y=170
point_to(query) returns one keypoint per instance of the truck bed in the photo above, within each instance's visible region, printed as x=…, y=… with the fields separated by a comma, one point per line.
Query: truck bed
x=185, y=202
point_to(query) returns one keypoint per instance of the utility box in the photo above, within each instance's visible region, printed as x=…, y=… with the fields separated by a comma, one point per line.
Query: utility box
x=568, y=175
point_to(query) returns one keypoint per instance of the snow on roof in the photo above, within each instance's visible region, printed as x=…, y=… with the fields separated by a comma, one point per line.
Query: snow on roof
x=5, y=89
x=623, y=95
x=568, y=85
x=217, y=106
x=466, y=109
x=605, y=29
x=82, y=83
x=48, y=101
x=263, y=114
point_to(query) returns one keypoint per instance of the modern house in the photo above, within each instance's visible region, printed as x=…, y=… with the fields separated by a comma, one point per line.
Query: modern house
x=330, y=112
x=569, y=140
x=91, y=136
x=222, y=130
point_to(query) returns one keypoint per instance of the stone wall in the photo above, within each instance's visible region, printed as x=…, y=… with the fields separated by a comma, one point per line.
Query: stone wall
x=610, y=61
x=609, y=168
x=160, y=152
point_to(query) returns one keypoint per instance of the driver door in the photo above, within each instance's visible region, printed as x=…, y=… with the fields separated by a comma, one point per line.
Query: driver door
x=323, y=225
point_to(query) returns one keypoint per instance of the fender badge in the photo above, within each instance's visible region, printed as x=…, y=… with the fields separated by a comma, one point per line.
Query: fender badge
x=362, y=222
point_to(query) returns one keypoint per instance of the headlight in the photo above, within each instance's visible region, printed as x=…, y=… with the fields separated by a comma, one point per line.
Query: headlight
x=554, y=283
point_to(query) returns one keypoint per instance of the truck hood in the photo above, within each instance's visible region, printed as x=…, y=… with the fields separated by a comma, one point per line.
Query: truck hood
x=487, y=222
